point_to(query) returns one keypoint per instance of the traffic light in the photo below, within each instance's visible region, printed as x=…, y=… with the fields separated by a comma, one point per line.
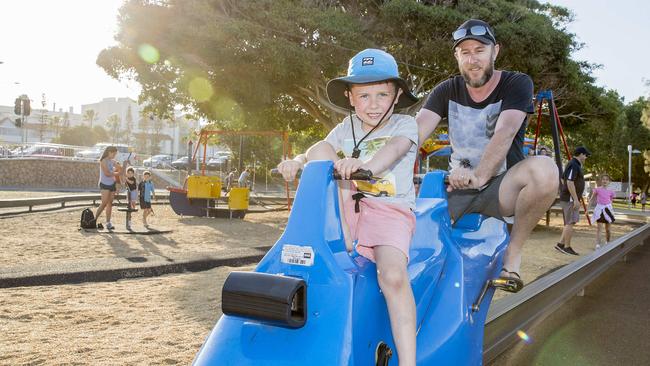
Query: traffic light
x=17, y=106
x=27, y=109
x=18, y=122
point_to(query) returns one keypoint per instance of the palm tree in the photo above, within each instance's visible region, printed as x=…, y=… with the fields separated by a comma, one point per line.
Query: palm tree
x=55, y=124
x=128, y=130
x=114, y=123
x=144, y=125
x=89, y=115
x=66, y=120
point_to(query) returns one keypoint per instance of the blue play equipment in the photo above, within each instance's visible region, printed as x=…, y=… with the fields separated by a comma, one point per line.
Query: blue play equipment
x=310, y=302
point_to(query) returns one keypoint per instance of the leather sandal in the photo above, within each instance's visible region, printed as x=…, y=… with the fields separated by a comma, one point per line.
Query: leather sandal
x=509, y=281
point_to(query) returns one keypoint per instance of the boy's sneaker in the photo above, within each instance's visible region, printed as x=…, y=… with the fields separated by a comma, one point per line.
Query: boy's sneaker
x=560, y=248
x=597, y=246
x=569, y=250
x=109, y=226
x=100, y=226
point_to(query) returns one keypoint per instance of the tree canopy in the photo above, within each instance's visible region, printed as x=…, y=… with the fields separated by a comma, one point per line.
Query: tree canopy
x=264, y=64
x=83, y=136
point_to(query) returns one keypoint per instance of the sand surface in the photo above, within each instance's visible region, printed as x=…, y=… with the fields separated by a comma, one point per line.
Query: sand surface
x=54, y=236
x=153, y=321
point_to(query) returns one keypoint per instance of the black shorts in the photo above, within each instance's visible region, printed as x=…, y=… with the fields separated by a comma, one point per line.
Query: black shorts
x=144, y=204
x=107, y=187
x=484, y=202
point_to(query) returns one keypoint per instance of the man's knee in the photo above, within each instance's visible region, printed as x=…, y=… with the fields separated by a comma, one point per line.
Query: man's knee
x=545, y=170
x=543, y=174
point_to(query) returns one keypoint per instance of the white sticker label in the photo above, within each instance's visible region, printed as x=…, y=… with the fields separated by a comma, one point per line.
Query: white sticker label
x=295, y=254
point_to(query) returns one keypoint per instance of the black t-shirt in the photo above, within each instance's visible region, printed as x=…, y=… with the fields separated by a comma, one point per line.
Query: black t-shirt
x=471, y=124
x=572, y=172
x=131, y=183
x=141, y=189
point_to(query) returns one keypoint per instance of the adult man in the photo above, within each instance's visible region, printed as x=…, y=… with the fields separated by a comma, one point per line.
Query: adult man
x=487, y=110
x=573, y=185
x=543, y=151
x=244, y=177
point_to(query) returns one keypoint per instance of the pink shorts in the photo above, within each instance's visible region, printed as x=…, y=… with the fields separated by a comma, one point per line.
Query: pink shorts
x=379, y=223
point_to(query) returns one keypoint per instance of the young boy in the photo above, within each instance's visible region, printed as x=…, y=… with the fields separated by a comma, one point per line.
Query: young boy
x=131, y=187
x=147, y=193
x=132, y=192
x=375, y=139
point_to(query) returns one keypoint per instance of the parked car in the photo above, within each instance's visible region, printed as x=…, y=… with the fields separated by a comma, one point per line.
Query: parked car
x=158, y=161
x=182, y=163
x=124, y=152
x=215, y=163
x=5, y=152
x=219, y=160
x=49, y=151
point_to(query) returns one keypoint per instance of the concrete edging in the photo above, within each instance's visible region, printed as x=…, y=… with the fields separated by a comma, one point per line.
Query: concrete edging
x=113, y=269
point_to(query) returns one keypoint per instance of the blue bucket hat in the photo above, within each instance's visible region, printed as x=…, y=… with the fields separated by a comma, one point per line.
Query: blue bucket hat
x=369, y=66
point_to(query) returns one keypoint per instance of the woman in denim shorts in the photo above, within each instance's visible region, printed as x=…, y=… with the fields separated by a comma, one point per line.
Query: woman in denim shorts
x=107, y=173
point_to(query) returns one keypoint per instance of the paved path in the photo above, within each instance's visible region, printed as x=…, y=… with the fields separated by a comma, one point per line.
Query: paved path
x=610, y=325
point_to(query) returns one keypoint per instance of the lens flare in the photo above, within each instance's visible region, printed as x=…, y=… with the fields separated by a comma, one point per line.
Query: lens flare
x=224, y=108
x=200, y=89
x=524, y=336
x=148, y=53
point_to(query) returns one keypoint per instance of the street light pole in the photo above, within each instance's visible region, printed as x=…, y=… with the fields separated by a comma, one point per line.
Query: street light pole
x=629, y=174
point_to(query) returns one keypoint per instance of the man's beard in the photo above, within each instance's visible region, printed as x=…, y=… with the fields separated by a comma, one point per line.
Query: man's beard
x=487, y=74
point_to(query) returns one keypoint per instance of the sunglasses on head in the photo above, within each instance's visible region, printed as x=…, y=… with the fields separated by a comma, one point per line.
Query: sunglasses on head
x=477, y=30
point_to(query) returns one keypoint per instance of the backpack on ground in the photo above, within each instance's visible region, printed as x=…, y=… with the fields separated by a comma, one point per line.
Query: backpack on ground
x=88, y=219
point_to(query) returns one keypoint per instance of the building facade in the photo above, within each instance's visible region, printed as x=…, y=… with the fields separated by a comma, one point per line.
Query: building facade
x=170, y=136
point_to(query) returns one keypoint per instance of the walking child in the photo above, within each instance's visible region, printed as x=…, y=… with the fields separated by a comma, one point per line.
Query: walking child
x=379, y=219
x=147, y=194
x=131, y=187
x=603, y=212
x=132, y=193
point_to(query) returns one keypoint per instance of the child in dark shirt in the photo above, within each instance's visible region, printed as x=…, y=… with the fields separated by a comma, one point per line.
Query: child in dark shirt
x=131, y=187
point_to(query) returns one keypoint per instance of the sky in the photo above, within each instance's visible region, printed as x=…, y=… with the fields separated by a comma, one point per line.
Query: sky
x=50, y=47
x=616, y=34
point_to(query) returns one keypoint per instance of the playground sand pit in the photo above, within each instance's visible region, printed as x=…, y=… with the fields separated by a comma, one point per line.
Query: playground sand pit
x=31, y=239
x=161, y=320
x=51, y=237
x=149, y=321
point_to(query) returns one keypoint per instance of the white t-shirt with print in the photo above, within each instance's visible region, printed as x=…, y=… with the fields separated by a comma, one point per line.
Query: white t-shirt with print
x=396, y=183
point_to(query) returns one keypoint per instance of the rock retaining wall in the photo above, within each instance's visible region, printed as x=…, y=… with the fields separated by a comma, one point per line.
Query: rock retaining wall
x=52, y=174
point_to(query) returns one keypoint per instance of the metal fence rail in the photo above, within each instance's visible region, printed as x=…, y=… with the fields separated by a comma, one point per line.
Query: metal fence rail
x=539, y=299
x=30, y=203
x=63, y=200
